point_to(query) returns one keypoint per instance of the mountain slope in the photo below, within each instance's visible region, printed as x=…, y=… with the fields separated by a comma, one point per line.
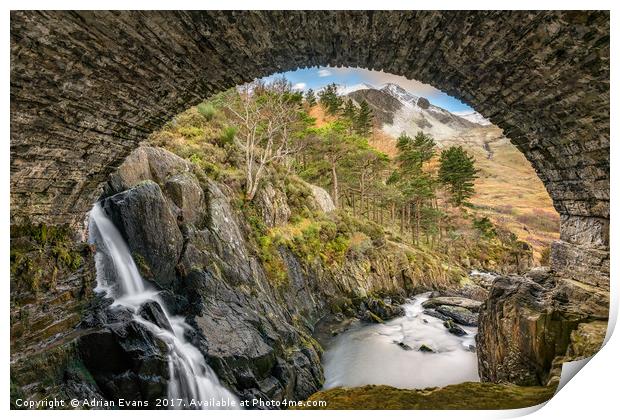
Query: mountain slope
x=398, y=111
x=473, y=116
x=507, y=190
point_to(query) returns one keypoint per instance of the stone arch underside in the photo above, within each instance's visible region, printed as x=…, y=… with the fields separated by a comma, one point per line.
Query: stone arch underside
x=87, y=87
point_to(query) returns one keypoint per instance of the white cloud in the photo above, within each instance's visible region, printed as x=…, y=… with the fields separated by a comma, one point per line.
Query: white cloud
x=299, y=86
x=324, y=73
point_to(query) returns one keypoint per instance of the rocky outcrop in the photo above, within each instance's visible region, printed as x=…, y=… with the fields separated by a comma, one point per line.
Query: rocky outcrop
x=256, y=346
x=135, y=365
x=528, y=321
x=273, y=205
x=423, y=103
x=322, y=199
x=146, y=221
x=52, y=282
x=254, y=332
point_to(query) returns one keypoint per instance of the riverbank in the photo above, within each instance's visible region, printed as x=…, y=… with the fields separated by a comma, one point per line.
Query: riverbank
x=465, y=396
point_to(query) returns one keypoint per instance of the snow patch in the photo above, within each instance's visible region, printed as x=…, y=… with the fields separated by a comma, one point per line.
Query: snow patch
x=473, y=116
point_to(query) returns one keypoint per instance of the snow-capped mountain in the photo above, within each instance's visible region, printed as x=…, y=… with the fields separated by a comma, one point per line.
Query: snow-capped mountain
x=344, y=90
x=397, y=110
x=405, y=97
x=473, y=116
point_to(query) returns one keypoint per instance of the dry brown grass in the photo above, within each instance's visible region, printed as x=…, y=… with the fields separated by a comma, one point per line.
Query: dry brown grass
x=509, y=191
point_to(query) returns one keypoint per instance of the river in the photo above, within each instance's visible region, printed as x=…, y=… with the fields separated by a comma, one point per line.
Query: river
x=370, y=354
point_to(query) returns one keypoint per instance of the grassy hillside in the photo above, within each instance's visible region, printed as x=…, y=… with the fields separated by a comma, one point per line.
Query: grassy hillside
x=508, y=189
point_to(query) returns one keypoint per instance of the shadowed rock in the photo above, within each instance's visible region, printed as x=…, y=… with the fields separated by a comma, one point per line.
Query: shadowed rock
x=152, y=311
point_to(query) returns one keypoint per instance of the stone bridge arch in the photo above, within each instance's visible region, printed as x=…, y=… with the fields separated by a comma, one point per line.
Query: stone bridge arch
x=87, y=87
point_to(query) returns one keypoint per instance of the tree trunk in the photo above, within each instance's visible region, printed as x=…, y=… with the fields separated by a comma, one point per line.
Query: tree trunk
x=335, y=185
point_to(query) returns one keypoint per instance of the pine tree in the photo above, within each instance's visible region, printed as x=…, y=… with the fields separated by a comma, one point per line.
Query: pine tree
x=363, y=121
x=349, y=112
x=330, y=100
x=310, y=98
x=417, y=186
x=457, y=173
x=414, y=152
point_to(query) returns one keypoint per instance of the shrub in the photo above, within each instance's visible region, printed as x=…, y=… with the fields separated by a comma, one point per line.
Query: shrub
x=545, y=256
x=359, y=243
x=228, y=135
x=207, y=110
x=485, y=227
x=192, y=133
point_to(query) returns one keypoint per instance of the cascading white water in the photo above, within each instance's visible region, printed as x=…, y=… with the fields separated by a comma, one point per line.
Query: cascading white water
x=191, y=379
x=370, y=354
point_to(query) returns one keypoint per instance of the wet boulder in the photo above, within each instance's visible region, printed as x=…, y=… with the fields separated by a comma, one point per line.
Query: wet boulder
x=135, y=366
x=382, y=308
x=459, y=315
x=472, y=305
x=403, y=346
x=153, y=312
x=435, y=314
x=425, y=349
x=453, y=328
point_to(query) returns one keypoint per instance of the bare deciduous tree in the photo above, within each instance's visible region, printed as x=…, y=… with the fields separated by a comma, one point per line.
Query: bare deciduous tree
x=266, y=118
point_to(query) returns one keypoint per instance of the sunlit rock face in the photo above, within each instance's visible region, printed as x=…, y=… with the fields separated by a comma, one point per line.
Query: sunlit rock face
x=528, y=322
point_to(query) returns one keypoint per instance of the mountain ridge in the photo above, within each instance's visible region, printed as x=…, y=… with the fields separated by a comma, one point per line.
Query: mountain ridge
x=398, y=111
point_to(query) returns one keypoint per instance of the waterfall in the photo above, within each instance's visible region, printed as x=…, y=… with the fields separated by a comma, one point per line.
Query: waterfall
x=191, y=379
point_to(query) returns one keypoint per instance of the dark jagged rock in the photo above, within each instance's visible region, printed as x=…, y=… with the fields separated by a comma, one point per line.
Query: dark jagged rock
x=404, y=346
x=152, y=311
x=370, y=316
x=453, y=328
x=435, y=314
x=382, y=308
x=145, y=220
x=426, y=349
x=135, y=365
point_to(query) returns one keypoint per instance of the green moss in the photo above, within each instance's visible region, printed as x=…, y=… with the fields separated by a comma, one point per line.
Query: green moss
x=465, y=396
x=40, y=253
x=375, y=318
x=143, y=266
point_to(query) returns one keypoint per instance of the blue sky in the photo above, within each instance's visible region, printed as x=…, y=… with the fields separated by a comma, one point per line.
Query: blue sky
x=317, y=77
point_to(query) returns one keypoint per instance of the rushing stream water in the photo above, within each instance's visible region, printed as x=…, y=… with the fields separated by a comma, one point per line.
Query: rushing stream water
x=370, y=354
x=117, y=275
